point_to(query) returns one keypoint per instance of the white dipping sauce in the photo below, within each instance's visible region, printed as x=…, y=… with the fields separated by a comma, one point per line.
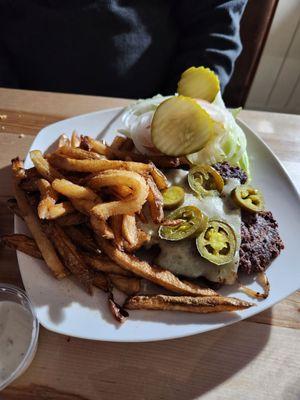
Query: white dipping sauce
x=16, y=328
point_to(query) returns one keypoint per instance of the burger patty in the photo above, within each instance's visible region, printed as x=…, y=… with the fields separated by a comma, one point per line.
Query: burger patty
x=227, y=171
x=260, y=241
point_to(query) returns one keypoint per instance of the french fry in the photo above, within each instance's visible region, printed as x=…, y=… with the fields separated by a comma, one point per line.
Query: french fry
x=154, y=274
x=117, y=311
x=201, y=305
x=69, y=189
x=72, y=259
x=18, y=169
x=129, y=229
x=155, y=201
x=101, y=282
x=29, y=184
x=100, y=226
x=128, y=206
x=129, y=286
x=120, y=191
x=143, y=238
x=43, y=166
x=12, y=205
x=75, y=218
x=87, y=143
x=81, y=238
x=45, y=246
x=75, y=140
x=63, y=141
x=104, y=264
x=47, y=207
x=94, y=166
x=22, y=243
x=48, y=198
x=158, y=177
x=78, y=154
x=116, y=222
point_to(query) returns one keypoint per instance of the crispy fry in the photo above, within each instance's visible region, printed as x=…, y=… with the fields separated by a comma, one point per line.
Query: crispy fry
x=128, y=206
x=264, y=282
x=154, y=274
x=43, y=243
x=104, y=264
x=72, y=259
x=48, y=198
x=129, y=229
x=158, y=177
x=43, y=166
x=29, y=184
x=94, y=166
x=75, y=218
x=142, y=217
x=18, y=169
x=78, y=154
x=47, y=209
x=201, y=305
x=100, y=226
x=101, y=282
x=117, y=311
x=155, y=201
x=63, y=140
x=120, y=191
x=75, y=140
x=81, y=238
x=129, y=286
x=90, y=144
x=69, y=189
x=143, y=238
x=116, y=226
x=22, y=243
x=12, y=205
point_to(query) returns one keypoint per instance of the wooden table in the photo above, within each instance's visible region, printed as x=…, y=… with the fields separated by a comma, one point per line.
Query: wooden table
x=254, y=359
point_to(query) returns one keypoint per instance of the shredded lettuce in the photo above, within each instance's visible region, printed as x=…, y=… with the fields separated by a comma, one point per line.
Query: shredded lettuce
x=227, y=144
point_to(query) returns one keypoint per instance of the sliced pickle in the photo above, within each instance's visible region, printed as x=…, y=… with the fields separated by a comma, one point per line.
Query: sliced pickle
x=205, y=180
x=180, y=126
x=188, y=221
x=217, y=242
x=173, y=197
x=248, y=198
x=199, y=83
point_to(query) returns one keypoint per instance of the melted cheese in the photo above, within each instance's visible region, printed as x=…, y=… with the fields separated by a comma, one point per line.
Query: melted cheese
x=182, y=257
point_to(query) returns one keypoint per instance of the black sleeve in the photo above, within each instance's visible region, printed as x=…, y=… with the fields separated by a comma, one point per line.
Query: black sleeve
x=8, y=76
x=208, y=36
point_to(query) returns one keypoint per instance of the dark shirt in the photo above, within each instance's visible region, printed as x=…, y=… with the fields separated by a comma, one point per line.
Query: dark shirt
x=132, y=48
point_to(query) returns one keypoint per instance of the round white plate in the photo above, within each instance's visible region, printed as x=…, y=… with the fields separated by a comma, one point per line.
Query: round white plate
x=63, y=307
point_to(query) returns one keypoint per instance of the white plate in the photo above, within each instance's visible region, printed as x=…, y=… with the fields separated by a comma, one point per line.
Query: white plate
x=65, y=308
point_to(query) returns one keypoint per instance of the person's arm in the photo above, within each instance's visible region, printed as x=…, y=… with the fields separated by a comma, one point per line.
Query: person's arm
x=208, y=36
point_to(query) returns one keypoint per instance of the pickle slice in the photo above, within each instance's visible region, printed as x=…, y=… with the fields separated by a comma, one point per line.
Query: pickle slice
x=180, y=126
x=199, y=83
x=173, y=197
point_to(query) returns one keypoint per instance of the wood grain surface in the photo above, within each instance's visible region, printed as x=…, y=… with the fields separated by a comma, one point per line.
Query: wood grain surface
x=254, y=359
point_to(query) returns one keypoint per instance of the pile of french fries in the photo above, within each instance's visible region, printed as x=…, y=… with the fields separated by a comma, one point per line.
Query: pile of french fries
x=82, y=203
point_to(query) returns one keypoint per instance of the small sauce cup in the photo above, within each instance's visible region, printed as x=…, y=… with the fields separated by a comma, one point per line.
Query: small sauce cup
x=11, y=294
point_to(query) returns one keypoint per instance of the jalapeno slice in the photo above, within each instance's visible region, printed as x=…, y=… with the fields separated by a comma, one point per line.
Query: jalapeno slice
x=205, y=180
x=217, y=243
x=173, y=197
x=248, y=198
x=183, y=222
